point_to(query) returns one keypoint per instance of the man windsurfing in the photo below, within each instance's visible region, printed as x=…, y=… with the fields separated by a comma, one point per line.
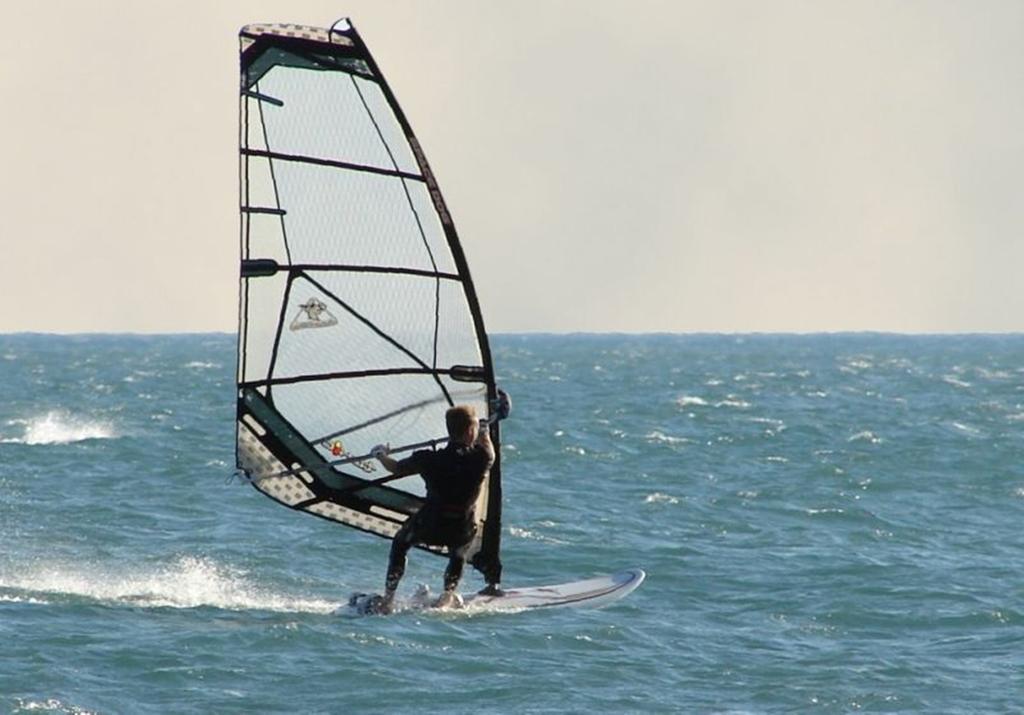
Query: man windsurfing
x=453, y=477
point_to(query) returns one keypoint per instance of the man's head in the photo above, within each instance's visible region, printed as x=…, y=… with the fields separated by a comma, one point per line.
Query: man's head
x=462, y=423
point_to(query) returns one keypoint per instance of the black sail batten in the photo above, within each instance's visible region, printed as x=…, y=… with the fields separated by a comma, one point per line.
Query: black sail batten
x=384, y=330
x=320, y=377
x=327, y=162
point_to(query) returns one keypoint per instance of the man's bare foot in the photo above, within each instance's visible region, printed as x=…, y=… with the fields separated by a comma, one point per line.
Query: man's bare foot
x=449, y=599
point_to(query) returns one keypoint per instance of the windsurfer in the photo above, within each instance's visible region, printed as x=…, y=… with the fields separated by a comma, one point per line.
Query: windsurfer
x=453, y=478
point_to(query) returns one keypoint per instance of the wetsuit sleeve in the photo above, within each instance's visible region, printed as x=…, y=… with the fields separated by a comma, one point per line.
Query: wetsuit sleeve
x=483, y=457
x=416, y=462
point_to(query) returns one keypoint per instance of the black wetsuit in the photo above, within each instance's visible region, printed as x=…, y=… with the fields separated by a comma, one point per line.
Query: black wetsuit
x=453, y=476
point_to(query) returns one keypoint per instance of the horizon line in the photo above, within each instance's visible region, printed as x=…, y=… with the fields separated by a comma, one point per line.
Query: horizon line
x=566, y=333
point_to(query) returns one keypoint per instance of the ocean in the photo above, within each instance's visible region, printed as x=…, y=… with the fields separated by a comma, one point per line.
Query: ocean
x=829, y=523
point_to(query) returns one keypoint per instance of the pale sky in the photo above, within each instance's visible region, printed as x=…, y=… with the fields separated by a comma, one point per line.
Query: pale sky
x=611, y=166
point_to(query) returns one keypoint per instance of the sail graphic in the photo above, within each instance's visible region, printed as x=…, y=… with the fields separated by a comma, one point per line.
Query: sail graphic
x=358, y=321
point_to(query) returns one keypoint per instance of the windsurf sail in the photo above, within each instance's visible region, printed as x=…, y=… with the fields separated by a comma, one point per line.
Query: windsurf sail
x=358, y=321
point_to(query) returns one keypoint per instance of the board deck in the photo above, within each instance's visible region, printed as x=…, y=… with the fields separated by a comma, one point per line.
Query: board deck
x=595, y=592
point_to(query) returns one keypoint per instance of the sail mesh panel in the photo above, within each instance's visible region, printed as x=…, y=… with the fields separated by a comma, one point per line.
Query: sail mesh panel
x=308, y=123
x=380, y=225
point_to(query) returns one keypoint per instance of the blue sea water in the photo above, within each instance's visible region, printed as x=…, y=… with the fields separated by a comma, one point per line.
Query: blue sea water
x=830, y=523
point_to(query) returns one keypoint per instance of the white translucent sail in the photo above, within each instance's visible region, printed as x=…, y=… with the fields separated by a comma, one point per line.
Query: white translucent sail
x=358, y=322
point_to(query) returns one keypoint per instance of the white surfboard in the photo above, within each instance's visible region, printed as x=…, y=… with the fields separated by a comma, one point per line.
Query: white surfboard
x=594, y=592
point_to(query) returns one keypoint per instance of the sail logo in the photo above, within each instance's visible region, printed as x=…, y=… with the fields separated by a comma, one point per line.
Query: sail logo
x=428, y=175
x=313, y=314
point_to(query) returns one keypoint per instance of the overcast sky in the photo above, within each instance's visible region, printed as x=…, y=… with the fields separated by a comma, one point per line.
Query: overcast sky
x=611, y=166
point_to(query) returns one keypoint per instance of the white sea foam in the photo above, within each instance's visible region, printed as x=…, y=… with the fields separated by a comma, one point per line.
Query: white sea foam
x=659, y=498
x=733, y=402
x=59, y=427
x=955, y=381
x=993, y=374
x=814, y=512
x=49, y=705
x=658, y=436
x=774, y=426
x=532, y=535
x=865, y=436
x=688, y=400
x=21, y=599
x=967, y=429
x=855, y=365
x=188, y=582
x=198, y=365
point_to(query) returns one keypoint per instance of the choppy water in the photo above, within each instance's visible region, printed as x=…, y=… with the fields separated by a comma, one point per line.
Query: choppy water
x=829, y=524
